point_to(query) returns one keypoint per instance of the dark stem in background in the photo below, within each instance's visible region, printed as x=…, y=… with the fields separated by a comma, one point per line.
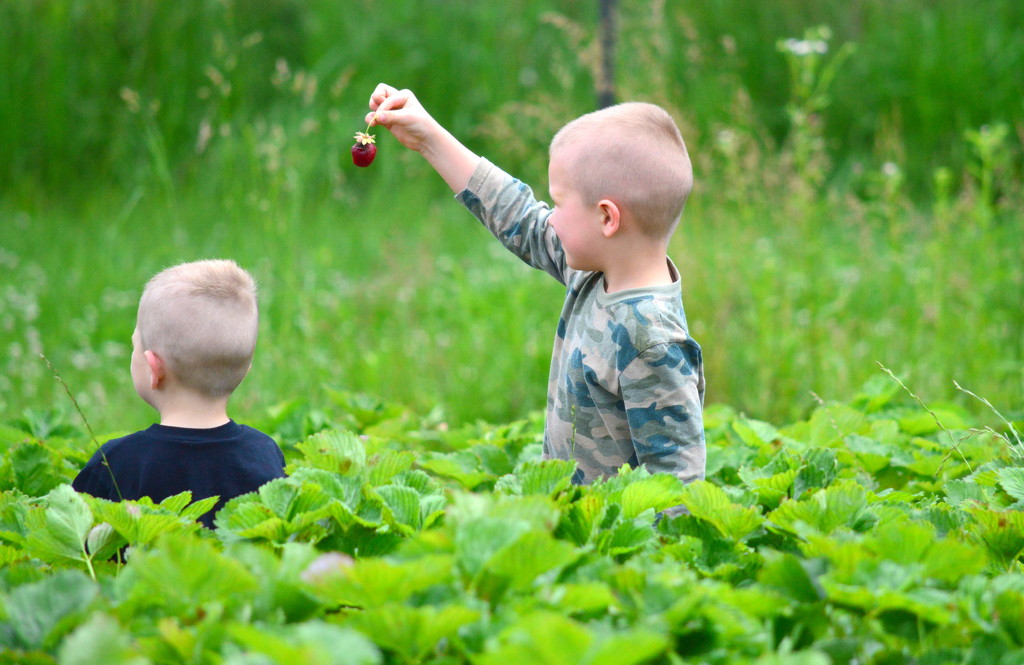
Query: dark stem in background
x=606, y=82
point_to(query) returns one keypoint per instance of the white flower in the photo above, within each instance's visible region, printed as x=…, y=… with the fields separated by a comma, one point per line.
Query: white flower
x=804, y=47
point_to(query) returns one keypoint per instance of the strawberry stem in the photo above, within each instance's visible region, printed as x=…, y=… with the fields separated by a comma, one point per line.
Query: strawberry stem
x=370, y=124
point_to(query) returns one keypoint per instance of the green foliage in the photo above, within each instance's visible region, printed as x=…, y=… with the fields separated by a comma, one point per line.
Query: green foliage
x=880, y=531
x=828, y=540
x=99, y=641
x=39, y=613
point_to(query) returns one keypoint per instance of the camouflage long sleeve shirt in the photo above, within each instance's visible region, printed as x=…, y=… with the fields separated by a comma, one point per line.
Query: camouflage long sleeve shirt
x=627, y=381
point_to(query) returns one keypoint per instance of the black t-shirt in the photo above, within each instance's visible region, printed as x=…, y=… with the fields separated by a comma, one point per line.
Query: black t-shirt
x=162, y=461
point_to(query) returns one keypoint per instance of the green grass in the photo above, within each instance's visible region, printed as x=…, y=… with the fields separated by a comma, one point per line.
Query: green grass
x=406, y=297
x=818, y=243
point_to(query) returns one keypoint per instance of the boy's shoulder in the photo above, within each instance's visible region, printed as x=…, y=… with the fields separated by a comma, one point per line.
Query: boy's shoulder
x=647, y=316
x=256, y=436
x=119, y=445
x=157, y=434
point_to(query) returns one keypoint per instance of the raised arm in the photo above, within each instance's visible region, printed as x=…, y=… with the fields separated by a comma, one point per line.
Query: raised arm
x=402, y=114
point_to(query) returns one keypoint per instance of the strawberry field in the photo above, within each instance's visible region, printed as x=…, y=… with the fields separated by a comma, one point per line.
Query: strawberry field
x=877, y=531
x=858, y=202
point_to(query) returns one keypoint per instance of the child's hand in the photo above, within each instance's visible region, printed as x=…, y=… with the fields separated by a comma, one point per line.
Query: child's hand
x=403, y=115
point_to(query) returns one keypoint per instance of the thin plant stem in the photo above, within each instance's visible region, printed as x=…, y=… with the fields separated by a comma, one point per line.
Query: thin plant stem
x=1017, y=449
x=88, y=427
x=938, y=422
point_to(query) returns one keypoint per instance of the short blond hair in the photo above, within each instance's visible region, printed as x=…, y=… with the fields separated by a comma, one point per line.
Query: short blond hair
x=634, y=155
x=202, y=319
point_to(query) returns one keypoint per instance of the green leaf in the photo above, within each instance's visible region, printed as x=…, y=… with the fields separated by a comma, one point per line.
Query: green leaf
x=34, y=469
x=902, y=541
x=770, y=489
x=872, y=454
x=755, y=433
x=411, y=632
x=1001, y=532
x=793, y=576
x=1011, y=479
x=308, y=643
x=796, y=658
x=99, y=641
x=923, y=423
x=657, y=492
x=842, y=504
x=582, y=598
x=830, y=425
x=929, y=604
x=876, y=393
x=817, y=471
x=182, y=572
x=401, y=507
x=581, y=518
x=58, y=531
x=103, y=542
x=176, y=503
x=405, y=509
x=628, y=648
x=196, y=510
x=494, y=458
x=959, y=491
x=461, y=466
x=517, y=565
x=38, y=612
x=282, y=593
x=337, y=451
x=709, y=503
x=950, y=560
x=624, y=537
x=387, y=464
x=478, y=539
x=12, y=435
x=294, y=495
x=546, y=477
x=539, y=638
x=373, y=582
x=139, y=522
x=9, y=555
x=246, y=517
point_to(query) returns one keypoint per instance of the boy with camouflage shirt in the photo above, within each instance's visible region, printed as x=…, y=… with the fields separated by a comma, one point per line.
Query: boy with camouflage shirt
x=626, y=383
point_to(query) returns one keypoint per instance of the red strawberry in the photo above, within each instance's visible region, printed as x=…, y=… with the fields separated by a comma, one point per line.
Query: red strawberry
x=364, y=149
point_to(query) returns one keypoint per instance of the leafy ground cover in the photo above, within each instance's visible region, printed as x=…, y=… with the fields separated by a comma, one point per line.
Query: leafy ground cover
x=872, y=532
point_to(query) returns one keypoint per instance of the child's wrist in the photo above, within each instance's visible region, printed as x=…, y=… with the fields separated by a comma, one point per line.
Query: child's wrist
x=433, y=139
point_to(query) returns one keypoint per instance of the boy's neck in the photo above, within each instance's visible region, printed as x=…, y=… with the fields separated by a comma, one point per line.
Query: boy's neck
x=638, y=271
x=193, y=411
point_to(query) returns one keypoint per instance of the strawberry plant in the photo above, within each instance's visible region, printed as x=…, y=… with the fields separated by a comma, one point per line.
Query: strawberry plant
x=861, y=534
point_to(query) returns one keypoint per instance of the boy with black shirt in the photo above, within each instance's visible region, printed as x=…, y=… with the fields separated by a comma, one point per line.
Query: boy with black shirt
x=193, y=344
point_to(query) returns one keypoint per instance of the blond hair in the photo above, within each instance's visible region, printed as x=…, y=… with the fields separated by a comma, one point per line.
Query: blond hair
x=202, y=319
x=634, y=155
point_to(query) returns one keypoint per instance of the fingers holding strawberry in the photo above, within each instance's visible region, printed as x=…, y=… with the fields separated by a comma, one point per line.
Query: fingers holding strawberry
x=402, y=114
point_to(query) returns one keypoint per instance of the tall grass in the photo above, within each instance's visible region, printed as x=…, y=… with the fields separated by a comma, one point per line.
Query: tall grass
x=820, y=240
x=77, y=73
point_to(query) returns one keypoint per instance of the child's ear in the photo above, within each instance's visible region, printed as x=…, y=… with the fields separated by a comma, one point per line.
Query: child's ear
x=611, y=217
x=157, y=369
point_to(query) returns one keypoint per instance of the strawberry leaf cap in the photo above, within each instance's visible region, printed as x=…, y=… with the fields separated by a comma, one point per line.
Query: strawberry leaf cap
x=364, y=138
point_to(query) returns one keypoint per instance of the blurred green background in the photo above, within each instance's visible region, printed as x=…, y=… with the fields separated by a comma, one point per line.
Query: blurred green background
x=858, y=195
